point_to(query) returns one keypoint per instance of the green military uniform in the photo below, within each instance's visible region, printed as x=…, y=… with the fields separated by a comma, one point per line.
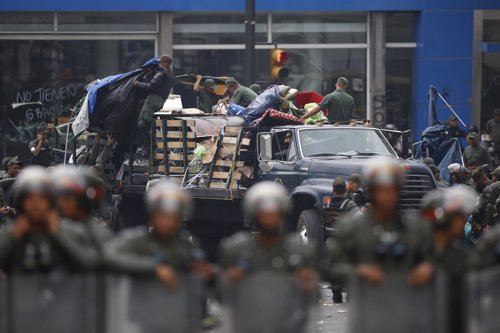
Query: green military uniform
x=207, y=100
x=243, y=96
x=139, y=251
x=244, y=251
x=478, y=155
x=340, y=106
x=452, y=261
x=359, y=240
x=44, y=251
x=487, y=252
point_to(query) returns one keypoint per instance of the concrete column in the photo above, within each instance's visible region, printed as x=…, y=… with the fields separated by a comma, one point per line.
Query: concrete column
x=477, y=66
x=377, y=68
x=166, y=33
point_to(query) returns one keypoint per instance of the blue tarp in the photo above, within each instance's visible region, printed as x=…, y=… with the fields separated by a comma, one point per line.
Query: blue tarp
x=94, y=89
x=269, y=99
x=437, y=144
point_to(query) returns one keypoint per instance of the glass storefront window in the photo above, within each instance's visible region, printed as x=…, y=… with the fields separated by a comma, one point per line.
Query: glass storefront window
x=39, y=22
x=401, y=27
x=216, y=29
x=118, y=22
x=319, y=28
x=491, y=31
x=398, y=87
x=310, y=70
x=55, y=73
x=490, y=86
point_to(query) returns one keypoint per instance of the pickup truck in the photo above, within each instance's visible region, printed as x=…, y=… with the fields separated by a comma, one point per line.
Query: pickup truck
x=305, y=159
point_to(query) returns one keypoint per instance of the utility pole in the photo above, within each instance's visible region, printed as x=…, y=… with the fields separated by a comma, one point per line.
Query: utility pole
x=250, y=41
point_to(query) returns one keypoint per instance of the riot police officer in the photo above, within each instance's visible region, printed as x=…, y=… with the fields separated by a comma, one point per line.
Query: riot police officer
x=36, y=241
x=266, y=205
x=382, y=240
x=77, y=192
x=447, y=211
x=164, y=251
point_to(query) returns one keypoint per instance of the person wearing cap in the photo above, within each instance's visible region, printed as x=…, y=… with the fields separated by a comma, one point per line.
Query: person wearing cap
x=206, y=96
x=383, y=240
x=441, y=183
x=265, y=206
x=239, y=94
x=340, y=104
x=484, y=213
x=355, y=190
x=480, y=180
x=157, y=91
x=40, y=148
x=337, y=206
x=475, y=154
x=36, y=240
x=256, y=88
x=5, y=161
x=163, y=251
x=454, y=131
x=447, y=212
x=13, y=168
x=459, y=174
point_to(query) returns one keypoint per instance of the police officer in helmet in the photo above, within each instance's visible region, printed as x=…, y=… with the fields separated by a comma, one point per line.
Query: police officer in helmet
x=77, y=193
x=447, y=211
x=163, y=251
x=36, y=241
x=266, y=205
x=382, y=240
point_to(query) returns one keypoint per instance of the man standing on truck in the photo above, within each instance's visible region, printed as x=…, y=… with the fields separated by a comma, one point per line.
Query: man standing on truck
x=383, y=240
x=206, y=96
x=340, y=104
x=157, y=91
x=239, y=94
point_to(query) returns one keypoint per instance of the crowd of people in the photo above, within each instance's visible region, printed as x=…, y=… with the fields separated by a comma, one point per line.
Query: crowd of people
x=53, y=226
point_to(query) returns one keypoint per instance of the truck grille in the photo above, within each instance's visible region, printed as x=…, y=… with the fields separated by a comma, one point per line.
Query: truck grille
x=415, y=187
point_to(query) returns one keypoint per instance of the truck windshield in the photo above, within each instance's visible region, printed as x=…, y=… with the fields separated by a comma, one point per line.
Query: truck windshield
x=323, y=142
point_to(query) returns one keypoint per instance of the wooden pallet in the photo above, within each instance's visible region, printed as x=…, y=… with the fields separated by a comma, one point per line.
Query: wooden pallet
x=223, y=173
x=175, y=143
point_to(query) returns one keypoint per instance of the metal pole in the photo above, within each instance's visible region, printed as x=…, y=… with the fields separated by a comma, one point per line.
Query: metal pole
x=250, y=41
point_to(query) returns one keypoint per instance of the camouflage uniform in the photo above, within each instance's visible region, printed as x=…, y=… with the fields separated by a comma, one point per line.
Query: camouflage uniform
x=44, y=251
x=244, y=251
x=139, y=251
x=358, y=240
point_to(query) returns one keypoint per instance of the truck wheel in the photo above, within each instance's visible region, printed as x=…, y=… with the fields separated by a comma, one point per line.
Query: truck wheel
x=310, y=226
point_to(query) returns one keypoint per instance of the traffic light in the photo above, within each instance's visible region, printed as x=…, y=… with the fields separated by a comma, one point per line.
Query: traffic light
x=279, y=58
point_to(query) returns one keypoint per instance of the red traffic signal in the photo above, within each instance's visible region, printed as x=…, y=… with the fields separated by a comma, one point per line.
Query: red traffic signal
x=279, y=58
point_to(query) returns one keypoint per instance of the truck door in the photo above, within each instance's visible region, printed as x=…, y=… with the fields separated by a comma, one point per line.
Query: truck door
x=278, y=158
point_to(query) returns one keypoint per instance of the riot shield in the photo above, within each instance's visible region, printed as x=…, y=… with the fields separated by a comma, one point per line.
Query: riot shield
x=483, y=301
x=56, y=302
x=268, y=302
x=396, y=306
x=146, y=305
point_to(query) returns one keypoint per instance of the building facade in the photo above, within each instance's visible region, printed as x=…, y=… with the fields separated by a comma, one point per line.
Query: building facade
x=391, y=50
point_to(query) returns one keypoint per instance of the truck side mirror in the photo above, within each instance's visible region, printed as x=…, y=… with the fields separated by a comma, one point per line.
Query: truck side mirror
x=265, y=146
x=406, y=144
